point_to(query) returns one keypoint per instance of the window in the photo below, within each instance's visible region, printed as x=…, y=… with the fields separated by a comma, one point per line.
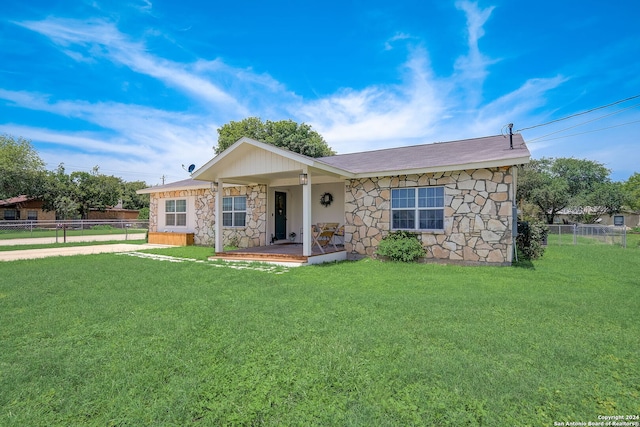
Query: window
x=417, y=208
x=234, y=211
x=10, y=214
x=175, y=213
x=32, y=215
x=618, y=220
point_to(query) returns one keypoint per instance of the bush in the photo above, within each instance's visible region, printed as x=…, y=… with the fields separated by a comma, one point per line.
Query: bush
x=401, y=246
x=102, y=227
x=532, y=238
x=143, y=213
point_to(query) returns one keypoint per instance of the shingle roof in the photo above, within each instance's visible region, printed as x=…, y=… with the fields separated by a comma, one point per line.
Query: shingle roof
x=436, y=155
x=15, y=200
x=184, y=184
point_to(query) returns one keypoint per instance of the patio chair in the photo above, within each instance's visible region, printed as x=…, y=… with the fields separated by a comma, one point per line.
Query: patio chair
x=338, y=236
x=322, y=234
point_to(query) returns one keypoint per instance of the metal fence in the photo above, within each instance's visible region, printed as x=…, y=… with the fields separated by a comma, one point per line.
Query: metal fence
x=26, y=228
x=574, y=234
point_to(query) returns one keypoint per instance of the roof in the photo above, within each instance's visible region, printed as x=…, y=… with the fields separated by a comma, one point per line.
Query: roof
x=15, y=200
x=476, y=153
x=458, y=155
x=185, y=184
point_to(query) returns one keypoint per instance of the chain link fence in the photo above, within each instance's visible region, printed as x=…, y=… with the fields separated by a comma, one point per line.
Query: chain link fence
x=25, y=229
x=575, y=234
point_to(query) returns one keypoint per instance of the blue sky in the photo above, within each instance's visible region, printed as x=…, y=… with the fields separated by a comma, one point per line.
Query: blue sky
x=139, y=87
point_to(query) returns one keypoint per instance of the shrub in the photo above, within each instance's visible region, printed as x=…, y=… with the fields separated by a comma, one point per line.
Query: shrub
x=401, y=246
x=143, y=213
x=532, y=238
x=102, y=227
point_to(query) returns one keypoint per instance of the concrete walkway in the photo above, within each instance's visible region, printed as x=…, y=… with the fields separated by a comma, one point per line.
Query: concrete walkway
x=74, y=250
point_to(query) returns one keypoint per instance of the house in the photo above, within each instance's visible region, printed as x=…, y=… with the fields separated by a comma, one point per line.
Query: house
x=626, y=217
x=458, y=196
x=27, y=208
x=24, y=208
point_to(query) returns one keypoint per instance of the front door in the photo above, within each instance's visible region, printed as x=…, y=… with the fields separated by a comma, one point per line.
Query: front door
x=281, y=215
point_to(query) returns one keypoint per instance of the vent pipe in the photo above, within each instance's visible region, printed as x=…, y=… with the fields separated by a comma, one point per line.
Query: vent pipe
x=510, y=136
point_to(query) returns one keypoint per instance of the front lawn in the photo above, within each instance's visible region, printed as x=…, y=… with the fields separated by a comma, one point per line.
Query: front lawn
x=114, y=340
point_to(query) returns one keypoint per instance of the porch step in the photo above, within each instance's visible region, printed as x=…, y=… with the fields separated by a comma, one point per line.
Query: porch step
x=258, y=257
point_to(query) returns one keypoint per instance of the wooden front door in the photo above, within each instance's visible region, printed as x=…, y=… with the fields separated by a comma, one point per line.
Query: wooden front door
x=281, y=216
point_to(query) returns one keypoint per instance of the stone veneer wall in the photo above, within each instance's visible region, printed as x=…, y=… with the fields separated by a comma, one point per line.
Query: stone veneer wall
x=253, y=234
x=477, y=215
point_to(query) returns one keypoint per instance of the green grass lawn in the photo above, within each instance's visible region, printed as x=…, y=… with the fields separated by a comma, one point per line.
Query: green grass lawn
x=113, y=340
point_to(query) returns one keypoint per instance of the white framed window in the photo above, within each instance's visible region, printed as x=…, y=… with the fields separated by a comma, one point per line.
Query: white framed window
x=175, y=213
x=234, y=211
x=32, y=215
x=419, y=208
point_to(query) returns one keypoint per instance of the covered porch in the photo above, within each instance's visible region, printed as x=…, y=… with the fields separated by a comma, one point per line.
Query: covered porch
x=292, y=198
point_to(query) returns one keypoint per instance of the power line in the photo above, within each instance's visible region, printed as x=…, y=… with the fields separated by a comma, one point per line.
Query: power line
x=589, y=131
x=583, y=123
x=579, y=114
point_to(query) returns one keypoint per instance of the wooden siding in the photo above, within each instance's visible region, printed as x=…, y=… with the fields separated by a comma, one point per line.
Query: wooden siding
x=176, y=239
x=257, y=162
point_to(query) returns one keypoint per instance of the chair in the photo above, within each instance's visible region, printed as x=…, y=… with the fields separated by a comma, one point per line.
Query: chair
x=338, y=236
x=322, y=234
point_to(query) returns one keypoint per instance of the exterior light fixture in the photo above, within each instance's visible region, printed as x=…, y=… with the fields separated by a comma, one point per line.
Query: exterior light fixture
x=304, y=179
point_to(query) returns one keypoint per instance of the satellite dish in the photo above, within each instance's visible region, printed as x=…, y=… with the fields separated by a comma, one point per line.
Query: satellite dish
x=190, y=169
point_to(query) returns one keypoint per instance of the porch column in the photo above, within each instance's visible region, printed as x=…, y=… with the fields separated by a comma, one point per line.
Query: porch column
x=306, y=216
x=218, y=212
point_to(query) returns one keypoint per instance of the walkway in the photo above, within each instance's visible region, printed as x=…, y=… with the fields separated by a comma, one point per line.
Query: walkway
x=73, y=250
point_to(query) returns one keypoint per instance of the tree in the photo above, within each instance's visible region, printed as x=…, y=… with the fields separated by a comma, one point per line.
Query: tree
x=131, y=199
x=631, y=189
x=95, y=191
x=20, y=167
x=555, y=184
x=299, y=138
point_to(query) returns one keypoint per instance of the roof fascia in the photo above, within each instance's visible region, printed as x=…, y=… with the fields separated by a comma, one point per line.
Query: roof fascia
x=446, y=168
x=161, y=188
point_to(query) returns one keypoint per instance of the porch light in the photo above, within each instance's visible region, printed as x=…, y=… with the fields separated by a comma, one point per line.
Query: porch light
x=304, y=179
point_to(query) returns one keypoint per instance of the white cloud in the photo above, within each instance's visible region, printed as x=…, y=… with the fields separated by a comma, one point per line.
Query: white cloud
x=101, y=38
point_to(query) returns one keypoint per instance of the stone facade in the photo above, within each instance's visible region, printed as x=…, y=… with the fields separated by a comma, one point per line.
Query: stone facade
x=477, y=215
x=252, y=234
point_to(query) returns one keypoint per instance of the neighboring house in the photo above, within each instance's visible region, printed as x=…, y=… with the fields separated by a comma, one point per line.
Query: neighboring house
x=458, y=196
x=625, y=217
x=24, y=208
x=30, y=209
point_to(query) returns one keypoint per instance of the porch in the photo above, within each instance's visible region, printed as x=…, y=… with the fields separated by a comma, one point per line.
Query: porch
x=284, y=254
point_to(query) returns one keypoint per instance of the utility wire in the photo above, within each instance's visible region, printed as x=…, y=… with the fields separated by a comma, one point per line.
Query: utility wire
x=579, y=114
x=583, y=123
x=589, y=131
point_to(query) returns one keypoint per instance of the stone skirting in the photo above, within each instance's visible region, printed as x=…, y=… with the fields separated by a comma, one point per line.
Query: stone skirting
x=477, y=215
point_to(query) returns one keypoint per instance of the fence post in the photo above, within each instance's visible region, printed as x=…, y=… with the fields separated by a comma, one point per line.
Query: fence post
x=575, y=234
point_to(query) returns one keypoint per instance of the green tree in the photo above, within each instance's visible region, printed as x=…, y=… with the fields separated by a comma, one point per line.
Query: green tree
x=554, y=184
x=631, y=189
x=131, y=199
x=95, y=191
x=299, y=138
x=20, y=167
